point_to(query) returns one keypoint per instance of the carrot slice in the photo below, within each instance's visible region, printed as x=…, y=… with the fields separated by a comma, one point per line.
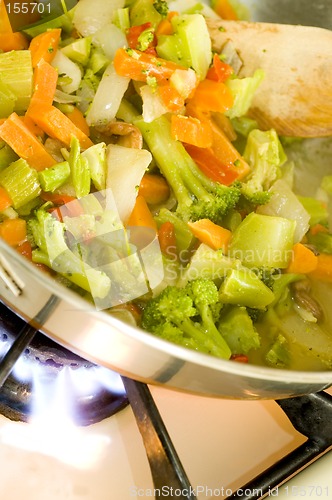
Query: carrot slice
x=44, y=46
x=225, y=10
x=191, y=130
x=5, y=200
x=154, y=189
x=78, y=119
x=212, y=96
x=213, y=235
x=167, y=239
x=171, y=97
x=303, y=260
x=25, y=249
x=323, y=271
x=219, y=71
x=13, y=41
x=210, y=165
x=139, y=66
x=13, y=231
x=45, y=81
x=141, y=215
x=57, y=125
x=5, y=25
x=18, y=136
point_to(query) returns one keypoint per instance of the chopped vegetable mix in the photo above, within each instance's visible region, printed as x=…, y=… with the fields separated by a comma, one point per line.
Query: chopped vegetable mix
x=131, y=168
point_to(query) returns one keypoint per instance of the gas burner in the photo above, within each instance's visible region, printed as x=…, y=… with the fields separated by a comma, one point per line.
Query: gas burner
x=94, y=404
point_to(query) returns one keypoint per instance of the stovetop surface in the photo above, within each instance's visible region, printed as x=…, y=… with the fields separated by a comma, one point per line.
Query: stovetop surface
x=222, y=445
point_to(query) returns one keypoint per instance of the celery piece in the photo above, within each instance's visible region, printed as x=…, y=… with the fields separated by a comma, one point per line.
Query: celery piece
x=238, y=330
x=169, y=47
x=322, y=241
x=48, y=234
x=79, y=168
x=190, y=45
x=17, y=75
x=143, y=11
x=21, y=182
x=243, y=90
x=121, y=19
x=52, y=178
x=7, y=100
x=316, y=209
x=263, y=241
x=7, y=155
x=79, y=50
x=243, y=287
x=96, y=158
x=278, y=353
x=98, y=61
x=61, y=17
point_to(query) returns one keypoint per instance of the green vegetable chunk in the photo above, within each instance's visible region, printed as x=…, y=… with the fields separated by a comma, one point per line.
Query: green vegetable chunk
x=244, y=288
x=263, y=241
x=239, y=332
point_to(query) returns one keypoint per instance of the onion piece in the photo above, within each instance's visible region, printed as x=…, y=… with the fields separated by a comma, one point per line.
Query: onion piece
x=125, y=169
x=284, y=203
x=107, y=99
x=89, y=16
x=66, y=67
x=110, y=38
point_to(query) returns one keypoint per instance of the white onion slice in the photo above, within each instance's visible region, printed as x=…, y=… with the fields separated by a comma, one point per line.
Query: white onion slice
x=125, y=169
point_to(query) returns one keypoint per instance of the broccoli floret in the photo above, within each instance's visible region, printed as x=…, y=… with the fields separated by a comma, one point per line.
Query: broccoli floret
x=161, y=6
x=197, y=196
x=265, y=155
x=187, y=317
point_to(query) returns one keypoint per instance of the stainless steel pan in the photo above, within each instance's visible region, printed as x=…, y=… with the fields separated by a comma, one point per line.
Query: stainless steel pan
x=105, y=340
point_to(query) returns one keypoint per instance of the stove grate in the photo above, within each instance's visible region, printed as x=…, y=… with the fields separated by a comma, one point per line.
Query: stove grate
x=311, y=415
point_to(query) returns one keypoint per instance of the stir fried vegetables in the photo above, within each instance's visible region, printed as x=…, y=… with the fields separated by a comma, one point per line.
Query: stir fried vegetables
x=132, y=171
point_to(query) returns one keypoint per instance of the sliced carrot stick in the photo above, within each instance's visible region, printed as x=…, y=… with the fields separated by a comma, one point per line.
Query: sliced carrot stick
x=139, y=66
x=34, y=129
x=44, y=46
x=225, y=10
x=154, y=189
x=13, y=41
x=45, y=79
x=141, y=215
x=167, y=239
x=303, y=260
x=212, y=96
x=191, y=131
x=323, y=271
x=210, y=165
x=222, y=148
x=5, y=199
x=18, y=136
x=13, y=231
x=211, y=234
x=57, y=125
x=78, y=119
x=164, y=27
